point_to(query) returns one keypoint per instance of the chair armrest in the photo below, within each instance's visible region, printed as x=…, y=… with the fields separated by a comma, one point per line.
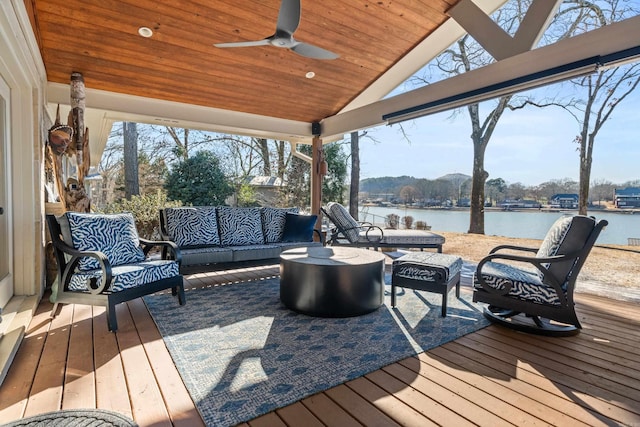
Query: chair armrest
x=320, y=236
x=70, y=266
x=369, y=228
x=166, y=246
x=512, y=248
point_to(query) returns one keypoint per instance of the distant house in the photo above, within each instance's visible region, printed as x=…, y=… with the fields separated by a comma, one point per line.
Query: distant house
x=564, y=201
x=627, y=198
x=267, y=190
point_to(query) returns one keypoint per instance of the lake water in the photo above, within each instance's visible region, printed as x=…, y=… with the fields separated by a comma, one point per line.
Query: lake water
x=532, y=225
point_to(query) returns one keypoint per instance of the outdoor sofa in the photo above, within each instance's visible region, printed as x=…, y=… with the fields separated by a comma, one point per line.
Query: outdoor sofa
x=222, y=234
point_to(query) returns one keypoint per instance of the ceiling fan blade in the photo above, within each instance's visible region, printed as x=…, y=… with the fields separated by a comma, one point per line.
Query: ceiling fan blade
x=245, y=44
x=288, y=16
x=312, y=51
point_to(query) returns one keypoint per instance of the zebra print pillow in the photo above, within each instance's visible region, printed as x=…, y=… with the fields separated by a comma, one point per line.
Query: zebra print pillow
x=273, y=220
x=240, y=226
x=115, y=235
x=192, y=227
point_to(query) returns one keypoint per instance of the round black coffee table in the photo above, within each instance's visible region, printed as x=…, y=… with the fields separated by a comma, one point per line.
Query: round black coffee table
x=332, y=281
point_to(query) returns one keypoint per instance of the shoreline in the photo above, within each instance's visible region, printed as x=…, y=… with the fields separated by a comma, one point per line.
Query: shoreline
x=631, y=211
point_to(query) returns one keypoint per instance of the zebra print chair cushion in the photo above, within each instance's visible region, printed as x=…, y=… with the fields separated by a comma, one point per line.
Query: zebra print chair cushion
x=128, y=275
x=240, y=226
x=344, y=221
x=115, y=235
x=192, y=227
x=273, y=221
x=565, y=236
x=526, y=285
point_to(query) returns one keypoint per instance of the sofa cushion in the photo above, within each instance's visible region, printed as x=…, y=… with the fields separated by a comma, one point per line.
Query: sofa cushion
x=115, y=235
x=206, y=255
x=240, y=226
x=298, y=228
x=273, y=220
x=192, y=226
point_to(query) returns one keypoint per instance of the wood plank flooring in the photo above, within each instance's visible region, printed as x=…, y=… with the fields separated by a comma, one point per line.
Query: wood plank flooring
x=493, y=377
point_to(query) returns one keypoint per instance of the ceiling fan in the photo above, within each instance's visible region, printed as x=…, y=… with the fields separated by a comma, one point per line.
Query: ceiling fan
x=288, y=21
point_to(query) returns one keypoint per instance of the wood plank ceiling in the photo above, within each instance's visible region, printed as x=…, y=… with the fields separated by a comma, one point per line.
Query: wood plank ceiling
x=99, y=38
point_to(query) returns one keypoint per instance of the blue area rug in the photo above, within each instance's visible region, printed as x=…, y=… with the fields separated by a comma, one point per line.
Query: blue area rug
x=241, y=353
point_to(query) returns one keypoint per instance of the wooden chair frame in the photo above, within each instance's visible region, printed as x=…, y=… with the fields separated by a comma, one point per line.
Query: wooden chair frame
x=68, y=258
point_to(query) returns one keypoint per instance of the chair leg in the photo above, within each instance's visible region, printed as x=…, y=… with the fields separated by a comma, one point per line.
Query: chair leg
x=112, y=320
x=181, y=298
x=393, y=295
x=54, y=310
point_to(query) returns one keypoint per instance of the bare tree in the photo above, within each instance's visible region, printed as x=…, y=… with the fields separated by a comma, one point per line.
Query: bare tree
x=131, y=183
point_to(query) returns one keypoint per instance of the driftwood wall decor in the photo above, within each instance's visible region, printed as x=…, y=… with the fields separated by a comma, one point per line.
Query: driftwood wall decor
x=67, y=154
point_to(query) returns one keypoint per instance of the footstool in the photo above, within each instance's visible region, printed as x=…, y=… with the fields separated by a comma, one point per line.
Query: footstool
x=427, y=271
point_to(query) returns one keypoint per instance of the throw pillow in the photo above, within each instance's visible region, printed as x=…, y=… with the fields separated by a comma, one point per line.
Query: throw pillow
x=240, y=226
x=115, y=235
x=299, y=228
x=273, y=220
x=193, y=227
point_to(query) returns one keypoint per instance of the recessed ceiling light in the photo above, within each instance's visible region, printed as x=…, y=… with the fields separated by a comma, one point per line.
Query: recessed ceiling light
x=145, y=31
x=310, y=75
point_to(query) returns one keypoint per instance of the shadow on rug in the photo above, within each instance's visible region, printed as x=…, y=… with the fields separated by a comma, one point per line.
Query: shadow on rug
x=241, y=353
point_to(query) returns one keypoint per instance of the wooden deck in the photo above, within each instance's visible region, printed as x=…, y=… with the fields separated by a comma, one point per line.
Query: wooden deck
x=492, y=377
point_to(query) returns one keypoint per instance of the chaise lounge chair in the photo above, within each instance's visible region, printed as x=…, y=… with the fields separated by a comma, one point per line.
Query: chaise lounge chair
x=539, y=298
x=349, y=232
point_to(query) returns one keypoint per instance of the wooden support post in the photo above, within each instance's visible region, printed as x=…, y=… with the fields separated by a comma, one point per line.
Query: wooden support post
x=316, y=178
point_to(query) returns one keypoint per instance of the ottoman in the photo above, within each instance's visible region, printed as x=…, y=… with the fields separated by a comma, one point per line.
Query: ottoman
x=427, y=271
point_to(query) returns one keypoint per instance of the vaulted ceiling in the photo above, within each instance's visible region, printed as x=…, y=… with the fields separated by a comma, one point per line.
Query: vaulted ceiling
x=179, y=62
x=178, y=77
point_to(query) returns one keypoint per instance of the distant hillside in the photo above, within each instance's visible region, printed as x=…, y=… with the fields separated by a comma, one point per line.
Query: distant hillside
x=390, y=184
x=455, y=177
x=385, y=184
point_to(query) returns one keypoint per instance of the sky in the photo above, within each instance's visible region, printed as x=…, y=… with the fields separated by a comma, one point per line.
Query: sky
x=529, y=146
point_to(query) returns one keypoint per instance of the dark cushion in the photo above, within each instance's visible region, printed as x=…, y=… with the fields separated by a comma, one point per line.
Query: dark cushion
x=273, y=220
x=567, y=235
x=299, y=228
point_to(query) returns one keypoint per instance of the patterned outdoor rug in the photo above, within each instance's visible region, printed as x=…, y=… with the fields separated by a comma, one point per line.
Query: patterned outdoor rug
x=241, y=353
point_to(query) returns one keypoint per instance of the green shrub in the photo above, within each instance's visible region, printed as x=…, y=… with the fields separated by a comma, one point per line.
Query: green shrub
x=145, y=211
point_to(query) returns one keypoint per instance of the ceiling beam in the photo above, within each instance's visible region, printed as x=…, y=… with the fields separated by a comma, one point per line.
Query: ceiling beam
x=604, y=41
x=115, y=107
x=493, y=38
x=443, y=37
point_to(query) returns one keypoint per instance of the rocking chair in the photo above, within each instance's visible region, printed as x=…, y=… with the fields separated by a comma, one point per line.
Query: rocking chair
x=538, y=299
